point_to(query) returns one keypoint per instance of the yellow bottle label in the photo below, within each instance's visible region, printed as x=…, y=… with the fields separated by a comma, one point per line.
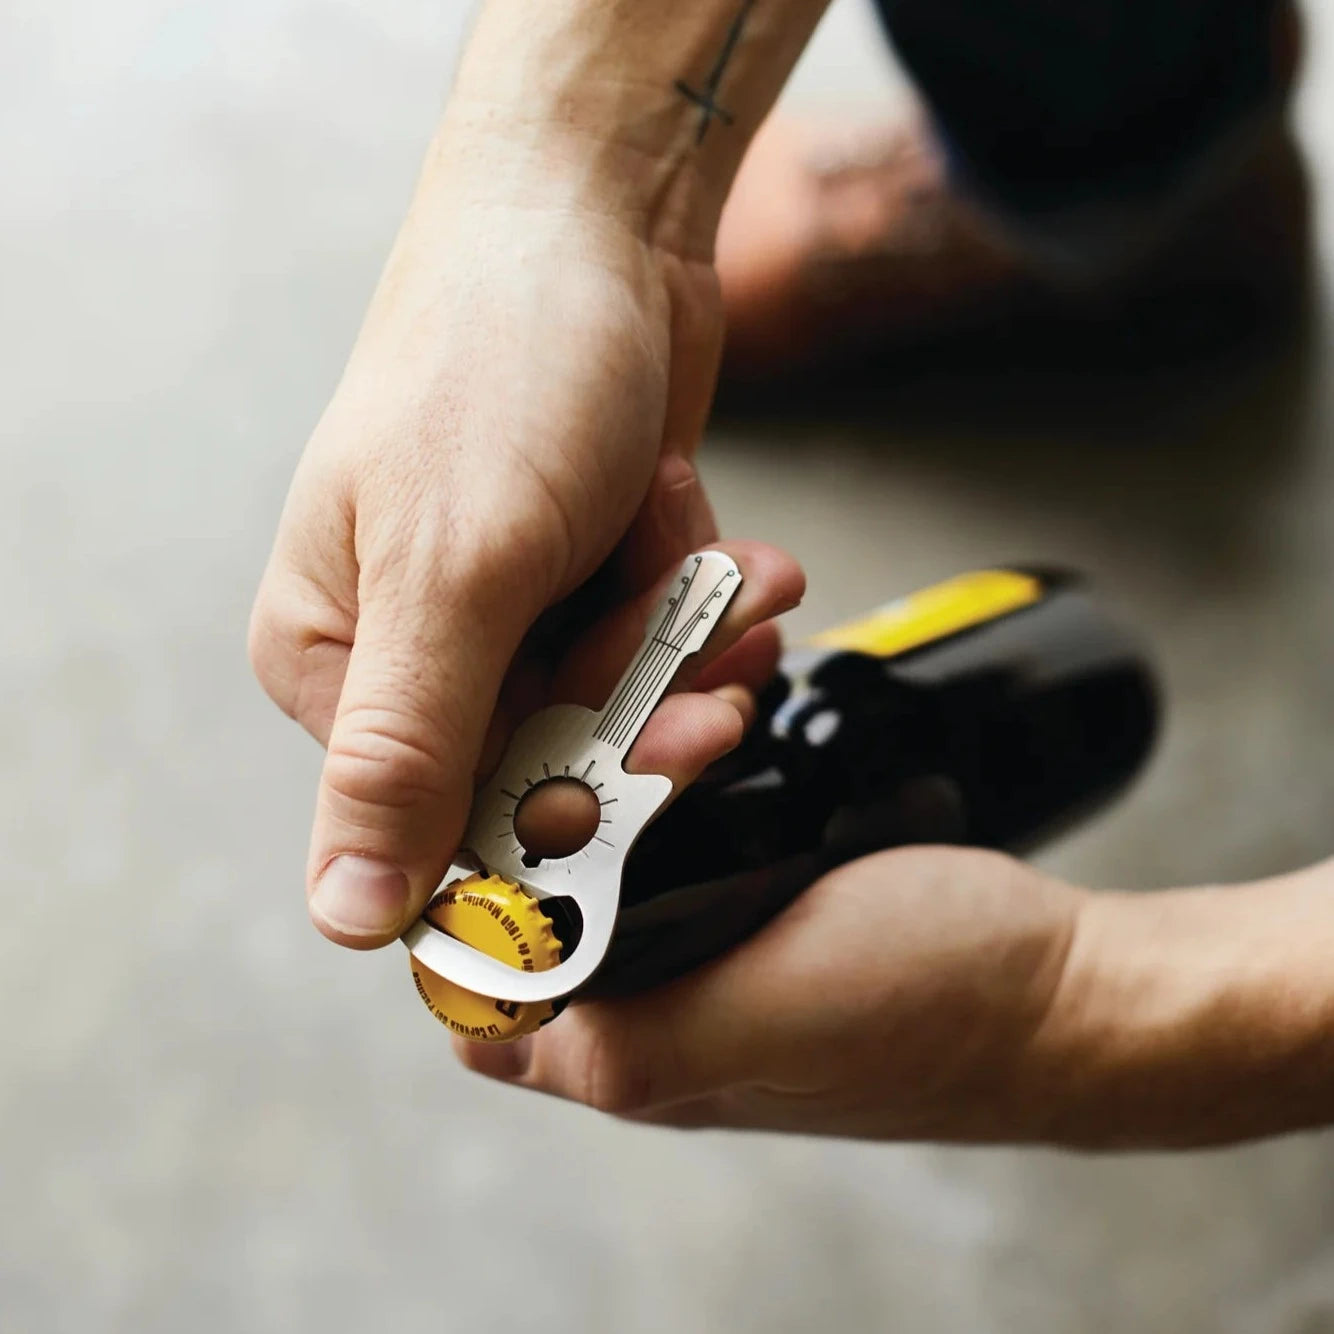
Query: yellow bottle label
x=935, y=612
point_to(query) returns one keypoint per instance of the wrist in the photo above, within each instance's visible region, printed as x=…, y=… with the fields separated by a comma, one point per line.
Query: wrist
x=638, y=113
x=1191, y=1018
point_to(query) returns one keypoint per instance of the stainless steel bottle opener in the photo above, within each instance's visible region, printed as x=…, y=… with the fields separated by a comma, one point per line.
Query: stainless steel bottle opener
x=569, y=741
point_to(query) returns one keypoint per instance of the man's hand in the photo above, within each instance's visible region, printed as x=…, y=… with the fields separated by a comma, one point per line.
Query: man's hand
x=955, y=995
x=524, y=399
x=895, y=998
x=529, y=387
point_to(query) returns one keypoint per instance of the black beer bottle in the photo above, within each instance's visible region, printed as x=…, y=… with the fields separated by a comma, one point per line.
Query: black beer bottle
x=993, y=710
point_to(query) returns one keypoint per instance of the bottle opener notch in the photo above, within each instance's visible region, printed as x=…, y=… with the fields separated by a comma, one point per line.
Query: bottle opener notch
x=590, y=746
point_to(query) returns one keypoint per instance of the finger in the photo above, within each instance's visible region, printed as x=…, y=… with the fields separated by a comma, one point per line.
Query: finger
x=511, y=1061
x=305, y=682
x=742, y=700
x=420, y=685
x=299, y=643
x=305, y=613
x=751, y=662
x=684, y=735
x=776, y=585
x=631, y=1057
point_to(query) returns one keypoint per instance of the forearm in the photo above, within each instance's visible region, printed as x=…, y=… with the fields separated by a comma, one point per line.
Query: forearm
x=1193, y=1018
x=627, y=106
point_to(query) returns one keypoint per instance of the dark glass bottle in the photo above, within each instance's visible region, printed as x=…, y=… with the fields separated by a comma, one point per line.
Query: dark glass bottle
x=993, y=714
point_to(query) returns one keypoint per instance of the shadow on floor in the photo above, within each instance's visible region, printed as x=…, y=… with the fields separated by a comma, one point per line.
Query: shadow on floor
x=1178, y=406
x=1182, y=434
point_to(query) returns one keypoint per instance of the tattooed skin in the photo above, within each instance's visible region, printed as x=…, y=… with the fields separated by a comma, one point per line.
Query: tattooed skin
x=706, y=98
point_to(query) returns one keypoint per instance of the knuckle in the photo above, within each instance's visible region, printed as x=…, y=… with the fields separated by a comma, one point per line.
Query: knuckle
x=381, y=757
x=614, y=1074
x=267, y=652
x=297, y=642
x=430, y=567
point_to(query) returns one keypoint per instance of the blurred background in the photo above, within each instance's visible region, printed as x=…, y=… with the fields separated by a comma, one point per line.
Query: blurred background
x=211, y=1119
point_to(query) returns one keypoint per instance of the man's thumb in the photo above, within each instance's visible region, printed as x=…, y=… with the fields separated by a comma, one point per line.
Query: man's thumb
x=397, y=779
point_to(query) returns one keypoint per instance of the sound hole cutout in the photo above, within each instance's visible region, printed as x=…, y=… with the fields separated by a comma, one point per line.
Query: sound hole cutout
x=555, y=819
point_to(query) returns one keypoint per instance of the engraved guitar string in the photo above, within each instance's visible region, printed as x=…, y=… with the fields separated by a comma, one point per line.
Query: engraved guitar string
x=648, y=691
x=649, y=649
x=647, y=694
x=642, y=684
x=647, y=673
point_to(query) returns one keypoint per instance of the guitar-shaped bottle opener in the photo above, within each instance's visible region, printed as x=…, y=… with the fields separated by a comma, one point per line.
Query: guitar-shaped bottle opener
x=569, y=742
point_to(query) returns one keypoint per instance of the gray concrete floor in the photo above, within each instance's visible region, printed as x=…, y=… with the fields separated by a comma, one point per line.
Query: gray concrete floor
x=212, y=1120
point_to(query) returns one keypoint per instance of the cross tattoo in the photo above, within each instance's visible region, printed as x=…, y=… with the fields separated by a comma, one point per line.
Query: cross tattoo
x=707, y=97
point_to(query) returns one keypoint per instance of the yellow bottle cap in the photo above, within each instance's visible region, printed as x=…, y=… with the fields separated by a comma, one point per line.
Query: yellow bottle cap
x=501, y=920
